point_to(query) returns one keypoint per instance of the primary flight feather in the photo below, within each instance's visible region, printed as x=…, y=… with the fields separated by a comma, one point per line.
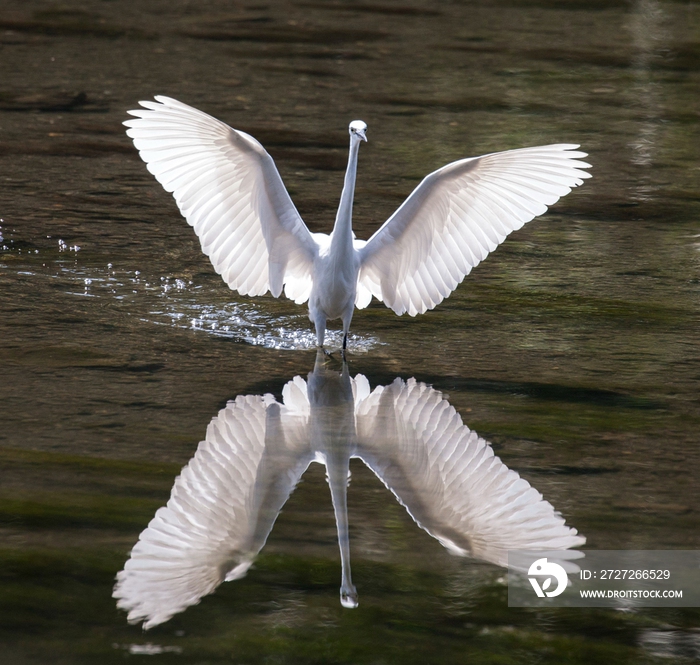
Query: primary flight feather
x=228, y=189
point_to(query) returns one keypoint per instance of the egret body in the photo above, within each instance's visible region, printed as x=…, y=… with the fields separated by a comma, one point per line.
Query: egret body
x=228, y=188
x=337, y=263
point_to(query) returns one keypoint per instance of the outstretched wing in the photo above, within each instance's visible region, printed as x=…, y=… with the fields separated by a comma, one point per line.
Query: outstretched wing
x=448, y=478
x=221, y=510
x=455, y=217
x=228, y=188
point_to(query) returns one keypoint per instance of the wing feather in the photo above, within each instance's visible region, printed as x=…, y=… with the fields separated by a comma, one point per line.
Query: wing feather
x=449, y=479
x=457, y=216
x=205, y=530
x=229, y=190
x=221, y=509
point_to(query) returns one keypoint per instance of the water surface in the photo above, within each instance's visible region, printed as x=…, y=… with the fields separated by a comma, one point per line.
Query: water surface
x=573, y=349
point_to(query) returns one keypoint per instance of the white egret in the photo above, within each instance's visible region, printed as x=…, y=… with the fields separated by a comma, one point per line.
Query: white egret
x=226, y=500
x=228, y=188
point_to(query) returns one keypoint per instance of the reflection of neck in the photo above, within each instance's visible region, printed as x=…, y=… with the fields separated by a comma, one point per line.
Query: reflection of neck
x=338, y=476
x=342, y=230
x=333, y=435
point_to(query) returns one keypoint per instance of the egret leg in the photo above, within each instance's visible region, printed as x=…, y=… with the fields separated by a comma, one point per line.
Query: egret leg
x=320, y=323
x=346, y=328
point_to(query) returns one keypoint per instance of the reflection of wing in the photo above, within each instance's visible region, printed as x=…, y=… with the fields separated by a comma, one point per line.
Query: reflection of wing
x=449, y=479
x=221, y=509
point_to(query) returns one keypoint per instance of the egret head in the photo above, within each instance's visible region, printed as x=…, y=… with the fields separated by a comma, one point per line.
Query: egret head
x=358, y=128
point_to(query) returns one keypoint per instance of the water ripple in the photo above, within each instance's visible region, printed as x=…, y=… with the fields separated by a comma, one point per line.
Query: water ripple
x=181, y=303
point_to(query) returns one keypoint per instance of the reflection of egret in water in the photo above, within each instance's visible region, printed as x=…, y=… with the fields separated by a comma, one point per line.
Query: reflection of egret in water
x=226, y=500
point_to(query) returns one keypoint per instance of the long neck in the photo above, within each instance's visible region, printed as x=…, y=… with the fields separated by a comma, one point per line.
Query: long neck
x=342, y=231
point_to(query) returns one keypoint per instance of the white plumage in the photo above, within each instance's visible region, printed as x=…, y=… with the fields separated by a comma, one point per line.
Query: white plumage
x=229, y=190
x=449, y=479
x=226, y=500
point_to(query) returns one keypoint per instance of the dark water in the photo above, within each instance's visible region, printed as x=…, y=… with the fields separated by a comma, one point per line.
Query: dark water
x=573, y=349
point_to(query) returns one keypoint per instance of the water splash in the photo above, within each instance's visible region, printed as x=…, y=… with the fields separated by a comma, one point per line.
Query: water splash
x=181, y=303
x=148, y=649
x=247, y=323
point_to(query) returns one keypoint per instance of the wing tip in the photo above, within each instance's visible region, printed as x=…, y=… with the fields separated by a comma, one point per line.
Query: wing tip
x=150, y=105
